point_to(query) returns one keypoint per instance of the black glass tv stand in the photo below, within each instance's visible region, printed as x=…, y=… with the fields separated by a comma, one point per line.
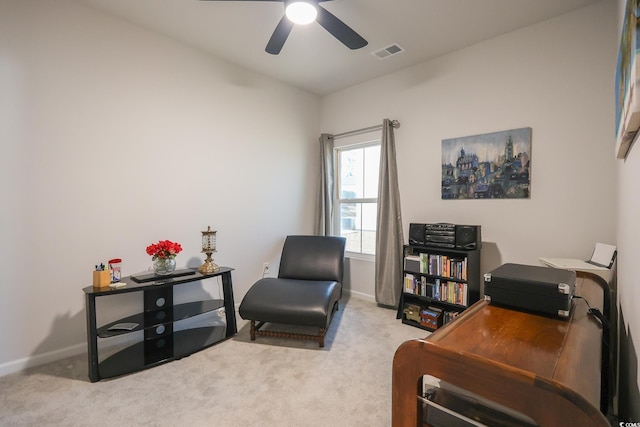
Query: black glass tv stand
x=160, y=343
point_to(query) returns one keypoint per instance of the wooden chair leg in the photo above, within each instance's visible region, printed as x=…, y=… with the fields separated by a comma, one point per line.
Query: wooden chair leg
x=254, y=331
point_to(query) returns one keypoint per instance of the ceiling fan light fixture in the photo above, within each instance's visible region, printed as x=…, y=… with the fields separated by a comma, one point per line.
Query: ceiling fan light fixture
x=301, y=12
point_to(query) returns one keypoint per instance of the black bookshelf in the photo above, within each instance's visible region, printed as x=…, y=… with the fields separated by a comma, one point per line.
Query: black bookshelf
x=439, y=283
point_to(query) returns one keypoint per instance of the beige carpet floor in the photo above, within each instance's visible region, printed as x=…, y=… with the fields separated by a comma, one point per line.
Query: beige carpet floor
x=270, y=382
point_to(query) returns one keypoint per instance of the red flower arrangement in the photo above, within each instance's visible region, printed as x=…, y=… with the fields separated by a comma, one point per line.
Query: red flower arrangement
x=164, y=249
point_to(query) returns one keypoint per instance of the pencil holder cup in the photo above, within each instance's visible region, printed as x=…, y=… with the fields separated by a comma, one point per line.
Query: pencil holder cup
x=101, y=279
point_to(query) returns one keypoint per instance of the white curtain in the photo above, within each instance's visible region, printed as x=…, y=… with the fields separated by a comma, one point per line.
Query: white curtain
x=324, y=213
x=389, y=238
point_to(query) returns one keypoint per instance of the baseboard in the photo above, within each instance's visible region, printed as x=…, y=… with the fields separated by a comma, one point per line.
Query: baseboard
x=40, y=359
x=359, y=295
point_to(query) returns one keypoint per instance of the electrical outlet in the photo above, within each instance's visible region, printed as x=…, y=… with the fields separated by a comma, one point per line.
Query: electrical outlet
x=265, y=267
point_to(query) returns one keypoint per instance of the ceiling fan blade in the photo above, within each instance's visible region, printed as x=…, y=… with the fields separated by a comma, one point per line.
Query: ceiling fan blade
x=339, y=29
x=279, y=36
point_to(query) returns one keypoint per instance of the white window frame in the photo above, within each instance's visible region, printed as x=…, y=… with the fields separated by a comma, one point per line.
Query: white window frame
x=336, y=197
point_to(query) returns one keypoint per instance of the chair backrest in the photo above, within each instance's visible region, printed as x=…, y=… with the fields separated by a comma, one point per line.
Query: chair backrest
x=313, y=258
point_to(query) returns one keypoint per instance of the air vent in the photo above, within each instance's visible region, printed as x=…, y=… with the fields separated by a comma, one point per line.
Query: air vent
x=388, y=51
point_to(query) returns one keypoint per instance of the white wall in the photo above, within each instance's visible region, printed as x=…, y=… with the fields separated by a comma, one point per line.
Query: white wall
x=555, y=77
x=628, y=209
x=112, y=138
x=628, y=286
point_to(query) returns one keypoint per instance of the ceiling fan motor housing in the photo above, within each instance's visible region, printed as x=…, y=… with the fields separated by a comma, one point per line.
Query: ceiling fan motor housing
x=301, y=12
x=326, y=19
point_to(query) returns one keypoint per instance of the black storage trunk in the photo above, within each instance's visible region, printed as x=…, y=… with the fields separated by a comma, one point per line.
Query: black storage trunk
x=531, y=288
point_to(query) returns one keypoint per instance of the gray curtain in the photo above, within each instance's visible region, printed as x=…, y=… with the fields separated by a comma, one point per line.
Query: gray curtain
x=389, y=238
x=325, y=201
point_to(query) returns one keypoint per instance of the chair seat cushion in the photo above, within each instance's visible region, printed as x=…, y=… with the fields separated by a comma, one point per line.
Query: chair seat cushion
x=291, y=301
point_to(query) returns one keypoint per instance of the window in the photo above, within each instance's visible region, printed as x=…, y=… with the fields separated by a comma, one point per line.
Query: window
x=357, y=196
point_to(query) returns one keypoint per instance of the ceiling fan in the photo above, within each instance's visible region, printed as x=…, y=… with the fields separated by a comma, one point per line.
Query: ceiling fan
x=310, y=10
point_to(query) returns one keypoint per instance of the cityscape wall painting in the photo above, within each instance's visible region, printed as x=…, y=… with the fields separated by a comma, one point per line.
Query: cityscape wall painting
x=489, y=166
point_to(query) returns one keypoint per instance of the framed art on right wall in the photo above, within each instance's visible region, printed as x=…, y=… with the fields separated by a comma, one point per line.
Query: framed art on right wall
x=628, y=82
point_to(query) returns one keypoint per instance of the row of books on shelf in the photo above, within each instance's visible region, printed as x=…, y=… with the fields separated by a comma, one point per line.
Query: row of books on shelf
x=439, y=290
x=437, y=265
x=428, y=316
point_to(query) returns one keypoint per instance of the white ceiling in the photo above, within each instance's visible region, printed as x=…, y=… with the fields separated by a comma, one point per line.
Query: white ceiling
x=312, y=59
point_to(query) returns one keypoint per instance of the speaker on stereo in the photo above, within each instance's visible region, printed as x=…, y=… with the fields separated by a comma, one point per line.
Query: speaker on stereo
x=468, y=237
x=416, y=234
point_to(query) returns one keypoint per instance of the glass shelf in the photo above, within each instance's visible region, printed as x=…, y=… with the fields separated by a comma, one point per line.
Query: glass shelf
x=180, y=312
x=180, y=344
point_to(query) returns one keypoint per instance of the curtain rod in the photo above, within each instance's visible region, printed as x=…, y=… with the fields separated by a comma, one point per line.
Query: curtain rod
x=394, y=123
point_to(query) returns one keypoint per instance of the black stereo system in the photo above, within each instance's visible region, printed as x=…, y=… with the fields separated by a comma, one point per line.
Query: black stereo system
x=444, y=235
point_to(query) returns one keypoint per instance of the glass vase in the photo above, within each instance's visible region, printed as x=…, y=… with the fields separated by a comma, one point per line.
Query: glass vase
x=164, y=266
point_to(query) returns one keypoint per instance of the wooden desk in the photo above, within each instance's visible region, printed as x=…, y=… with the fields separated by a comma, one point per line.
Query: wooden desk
x=547, y=369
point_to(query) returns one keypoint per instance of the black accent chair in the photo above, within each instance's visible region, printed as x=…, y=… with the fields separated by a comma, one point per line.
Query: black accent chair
x=306, y=291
